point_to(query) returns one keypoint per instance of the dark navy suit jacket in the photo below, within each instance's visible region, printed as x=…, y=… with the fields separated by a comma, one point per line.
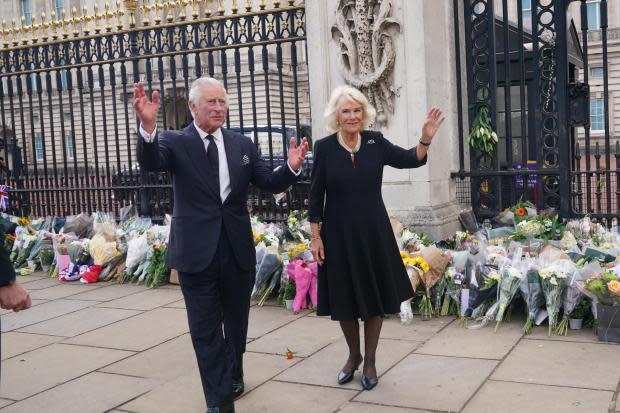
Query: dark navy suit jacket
x=199, y=213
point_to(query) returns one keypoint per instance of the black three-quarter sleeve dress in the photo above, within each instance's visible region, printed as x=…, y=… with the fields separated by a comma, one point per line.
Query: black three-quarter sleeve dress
x=363, y=274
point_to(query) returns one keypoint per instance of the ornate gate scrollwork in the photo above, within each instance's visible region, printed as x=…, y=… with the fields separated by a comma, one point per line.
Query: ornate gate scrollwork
x=364, y=34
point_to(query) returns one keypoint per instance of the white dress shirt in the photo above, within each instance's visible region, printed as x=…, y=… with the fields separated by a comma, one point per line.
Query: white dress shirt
x=221, y=153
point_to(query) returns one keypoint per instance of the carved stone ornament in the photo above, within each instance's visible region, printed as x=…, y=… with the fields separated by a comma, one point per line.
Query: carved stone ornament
x=364, y=34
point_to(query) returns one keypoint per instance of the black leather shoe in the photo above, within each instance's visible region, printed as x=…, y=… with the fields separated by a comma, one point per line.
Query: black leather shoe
x=369, y=384
x=238, y=387
x=225, y=407
x=344, y=378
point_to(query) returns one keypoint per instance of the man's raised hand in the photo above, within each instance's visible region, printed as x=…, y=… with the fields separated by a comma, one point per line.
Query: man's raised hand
x=145, y=109
x=297, y=154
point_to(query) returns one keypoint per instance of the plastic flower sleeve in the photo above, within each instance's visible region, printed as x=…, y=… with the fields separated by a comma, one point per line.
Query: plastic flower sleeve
x=532, y=294
x=510, y=278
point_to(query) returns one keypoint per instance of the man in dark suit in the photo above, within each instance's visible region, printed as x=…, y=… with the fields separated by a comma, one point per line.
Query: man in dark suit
x=211, y=242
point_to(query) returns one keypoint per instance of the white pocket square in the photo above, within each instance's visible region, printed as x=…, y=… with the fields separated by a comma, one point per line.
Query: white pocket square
x=245, y=160
x=371, y=141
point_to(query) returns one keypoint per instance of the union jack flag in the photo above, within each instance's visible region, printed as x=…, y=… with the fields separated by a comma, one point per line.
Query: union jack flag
x=4, y=196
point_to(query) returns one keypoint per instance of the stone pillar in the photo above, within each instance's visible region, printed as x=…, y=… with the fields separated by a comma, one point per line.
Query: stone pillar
x=423, y=77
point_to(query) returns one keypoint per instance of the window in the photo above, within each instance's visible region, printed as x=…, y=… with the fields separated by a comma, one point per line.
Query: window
x=594, y=14
x=597, y=115
x=526, y=11
x=58, y=5
x=26, y=11
x=38, y=147
x=596, y=73
x=69, y=139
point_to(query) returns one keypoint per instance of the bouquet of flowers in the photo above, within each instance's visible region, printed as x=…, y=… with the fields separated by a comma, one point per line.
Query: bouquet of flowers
x=412, y=242
x=158, y=272
x=528, y=229
x=554, y=279
x=604, y=288
x=573, y=293
x=452, y=298
x=415, y=267
x=102, y=251
x=510, y=278
x=533, y=295
x=298, y=226
x=433, y=264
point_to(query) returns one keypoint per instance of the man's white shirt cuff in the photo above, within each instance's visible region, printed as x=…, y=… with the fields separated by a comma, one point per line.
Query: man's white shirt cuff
x=291, y=169
x=148, y=138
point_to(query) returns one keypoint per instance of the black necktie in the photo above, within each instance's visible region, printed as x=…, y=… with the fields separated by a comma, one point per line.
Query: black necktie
x=214, y=164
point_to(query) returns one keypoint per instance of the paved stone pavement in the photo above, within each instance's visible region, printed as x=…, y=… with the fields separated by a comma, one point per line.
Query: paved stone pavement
x=124, y=348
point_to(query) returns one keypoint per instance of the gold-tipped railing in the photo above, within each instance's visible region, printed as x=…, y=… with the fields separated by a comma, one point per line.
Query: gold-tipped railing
x=129, y=15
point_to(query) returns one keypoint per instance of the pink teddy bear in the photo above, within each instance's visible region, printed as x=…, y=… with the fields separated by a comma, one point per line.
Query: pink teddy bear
x=305, y=276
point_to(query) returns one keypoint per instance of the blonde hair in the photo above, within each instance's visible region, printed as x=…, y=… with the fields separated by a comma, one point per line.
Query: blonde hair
x=352, y=94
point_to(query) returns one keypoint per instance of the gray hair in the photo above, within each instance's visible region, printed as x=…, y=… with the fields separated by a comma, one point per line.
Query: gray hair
x=195, y=90
x=348, y=93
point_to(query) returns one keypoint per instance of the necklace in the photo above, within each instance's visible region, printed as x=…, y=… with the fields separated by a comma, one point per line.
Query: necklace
x=353, y=151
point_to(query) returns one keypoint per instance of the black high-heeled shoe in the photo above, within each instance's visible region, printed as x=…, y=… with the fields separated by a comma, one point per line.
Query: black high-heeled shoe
x=369, y=384
x=344, y=378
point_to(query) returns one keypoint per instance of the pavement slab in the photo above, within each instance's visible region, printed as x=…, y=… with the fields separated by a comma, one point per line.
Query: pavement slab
x=145, y=300
x=168, y=360
x=79, y=322
x=62, y=291
x=5, y=402
x=562, y=364
x=273, y=396
x=38, y=283
x=114, y=390
x=44, y=368
x=456, y=340
x=177, y=304
x=356, y=407
x=322, y=367
x=41, y=312
x=508, y=397
x=430, y=382
x=14, y=343
x=303, y=336
x=138, y=333
x=268, y=318
x=109, y=292
x=183, y=394
x=418, y=330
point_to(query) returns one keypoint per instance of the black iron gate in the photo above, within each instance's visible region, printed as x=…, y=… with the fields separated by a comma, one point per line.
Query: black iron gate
x=66, y=84
x=527, y=63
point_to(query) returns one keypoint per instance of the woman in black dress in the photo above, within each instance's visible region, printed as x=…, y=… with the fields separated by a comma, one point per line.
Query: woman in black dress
x=361, y=273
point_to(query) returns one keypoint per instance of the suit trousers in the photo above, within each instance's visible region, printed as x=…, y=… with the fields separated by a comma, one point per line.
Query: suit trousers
x=218, y=304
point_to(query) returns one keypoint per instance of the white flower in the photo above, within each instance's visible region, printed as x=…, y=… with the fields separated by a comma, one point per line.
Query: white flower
x=494, y=275
x=553, y=281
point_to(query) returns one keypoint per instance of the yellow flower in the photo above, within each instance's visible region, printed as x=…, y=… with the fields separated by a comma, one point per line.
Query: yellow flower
x=420, y=263
x=404, y=255
x=301, y=247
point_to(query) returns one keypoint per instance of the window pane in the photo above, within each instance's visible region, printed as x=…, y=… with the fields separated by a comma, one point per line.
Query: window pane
x=597, y=120
x=38, y=144
x=597, y=72
x=527, y=4
x=593, y=17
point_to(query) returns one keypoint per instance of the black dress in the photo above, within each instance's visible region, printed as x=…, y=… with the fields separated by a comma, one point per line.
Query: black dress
x=363, y=274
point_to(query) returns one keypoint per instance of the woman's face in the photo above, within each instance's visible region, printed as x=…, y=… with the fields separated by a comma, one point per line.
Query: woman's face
x=350, y=116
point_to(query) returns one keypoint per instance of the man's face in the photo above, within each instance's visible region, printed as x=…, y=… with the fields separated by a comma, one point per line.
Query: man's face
x=210, y=112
